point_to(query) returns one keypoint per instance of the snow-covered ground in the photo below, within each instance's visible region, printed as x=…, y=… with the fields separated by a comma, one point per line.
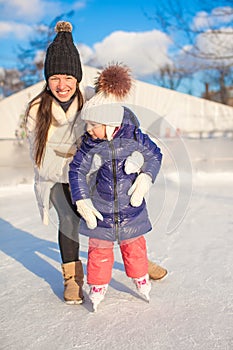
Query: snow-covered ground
x=192, y=308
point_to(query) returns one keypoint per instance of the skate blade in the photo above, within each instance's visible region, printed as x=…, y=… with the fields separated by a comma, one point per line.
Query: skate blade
x=74, y=302
x=145, y=297
x=95, y=307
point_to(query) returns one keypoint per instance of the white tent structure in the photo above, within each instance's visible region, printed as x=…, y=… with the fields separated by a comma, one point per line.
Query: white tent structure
x=183, y=113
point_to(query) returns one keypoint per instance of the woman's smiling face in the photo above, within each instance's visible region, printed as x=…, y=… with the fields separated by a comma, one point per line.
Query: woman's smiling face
x=62, y=86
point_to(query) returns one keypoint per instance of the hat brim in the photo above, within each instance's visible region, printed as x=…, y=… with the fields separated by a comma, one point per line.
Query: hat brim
x=107, y=114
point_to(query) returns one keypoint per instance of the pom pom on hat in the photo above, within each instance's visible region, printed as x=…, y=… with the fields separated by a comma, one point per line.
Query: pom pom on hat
x=114, y=80
x=62, y=56
x=112, y=86
x=63, y=26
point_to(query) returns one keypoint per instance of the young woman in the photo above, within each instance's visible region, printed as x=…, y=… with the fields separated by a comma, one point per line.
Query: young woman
x=53, y=127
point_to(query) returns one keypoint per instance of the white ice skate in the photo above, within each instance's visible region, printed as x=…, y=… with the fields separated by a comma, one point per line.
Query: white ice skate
x=97, y=293
x=143, y=286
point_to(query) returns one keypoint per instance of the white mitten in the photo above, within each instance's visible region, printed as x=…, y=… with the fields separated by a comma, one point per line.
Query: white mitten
x=88, y=212
x=134, y=162
x=139, y=188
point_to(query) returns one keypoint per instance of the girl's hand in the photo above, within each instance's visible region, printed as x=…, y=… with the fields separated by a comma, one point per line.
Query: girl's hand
x=89, y=213
x=139, y=189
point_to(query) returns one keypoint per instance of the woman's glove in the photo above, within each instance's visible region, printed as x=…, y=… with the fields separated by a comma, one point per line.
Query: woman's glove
x=134, y=162
x=139, y=188
x=89, y=213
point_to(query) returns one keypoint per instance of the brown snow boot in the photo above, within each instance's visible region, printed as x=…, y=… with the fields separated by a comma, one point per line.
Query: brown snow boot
x=155, y=271
x=73, y=282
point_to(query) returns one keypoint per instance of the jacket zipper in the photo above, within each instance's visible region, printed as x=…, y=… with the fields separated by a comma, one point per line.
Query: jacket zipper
x=116, y=218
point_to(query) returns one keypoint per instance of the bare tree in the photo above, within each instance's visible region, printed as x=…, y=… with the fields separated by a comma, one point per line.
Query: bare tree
x=203, y=38
x=170, y=76
x=183, y=21
x=10, y=82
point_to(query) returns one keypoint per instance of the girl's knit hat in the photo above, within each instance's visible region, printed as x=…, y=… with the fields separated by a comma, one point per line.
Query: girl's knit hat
x=62, y=56
x=112, y=86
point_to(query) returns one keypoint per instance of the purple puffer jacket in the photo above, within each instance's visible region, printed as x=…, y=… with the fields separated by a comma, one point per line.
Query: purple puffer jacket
x=108, y=186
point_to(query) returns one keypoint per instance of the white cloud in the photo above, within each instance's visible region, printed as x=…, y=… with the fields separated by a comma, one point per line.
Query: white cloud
x=144, y=52
x=217, y=17
x=22, y=9
x=20, y=30
x=223, y=14
x=15, y=13
x=216, y=44
x=215, y=48
x=85, y=53
x=79, y=5
x=39, y=57
x=201, y=20
x=35, y=10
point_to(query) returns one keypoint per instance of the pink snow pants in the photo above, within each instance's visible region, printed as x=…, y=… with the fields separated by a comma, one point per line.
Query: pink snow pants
x=101, y=259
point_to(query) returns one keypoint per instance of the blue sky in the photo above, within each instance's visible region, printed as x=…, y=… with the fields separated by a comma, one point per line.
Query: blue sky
x=93, y=20
x=103, y=30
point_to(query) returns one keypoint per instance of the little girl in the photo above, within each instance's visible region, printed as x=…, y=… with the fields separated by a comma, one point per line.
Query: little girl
x=110, y=195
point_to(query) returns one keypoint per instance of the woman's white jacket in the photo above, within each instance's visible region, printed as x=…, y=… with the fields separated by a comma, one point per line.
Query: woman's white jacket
x=63, y=136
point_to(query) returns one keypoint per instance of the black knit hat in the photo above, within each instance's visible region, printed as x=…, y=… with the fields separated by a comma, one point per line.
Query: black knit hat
x=62, y=56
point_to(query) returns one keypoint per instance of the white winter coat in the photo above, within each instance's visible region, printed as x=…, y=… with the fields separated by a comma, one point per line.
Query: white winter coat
x=61, y=145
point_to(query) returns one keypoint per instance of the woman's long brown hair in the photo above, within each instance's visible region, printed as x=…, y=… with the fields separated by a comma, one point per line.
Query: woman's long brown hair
x=44, y=119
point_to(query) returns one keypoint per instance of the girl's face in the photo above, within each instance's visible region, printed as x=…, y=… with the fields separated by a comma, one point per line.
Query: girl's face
x=62, y=86
x=97, y=131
